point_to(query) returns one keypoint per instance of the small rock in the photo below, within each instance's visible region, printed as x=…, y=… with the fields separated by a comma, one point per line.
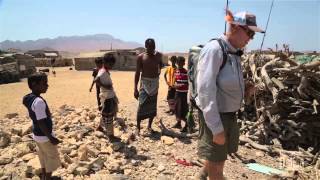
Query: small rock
x=161, y=168
x=117, y=132
x=28, y=157
x=107, y=150
x=65, y=150
x=113, y=166
x=99, y=134
x=92, y=116
x=4, y=139
x=71, y=169
x=96, y=164
x=11, y=115
x=135, y=162
x=149, y=164
x=109, y=177
x=116, y=146
x=16, y=131
x=73, y=153
x=26, y=129
x=244, y=175
x=259, y=154
x=35, y=164
x=67, y=159
x=81, y=171
x=83, y=153
x=16, y=139
x=78, y=111
x=163, y=177
x=127, y=171
x=5, y=159
x=167, y=140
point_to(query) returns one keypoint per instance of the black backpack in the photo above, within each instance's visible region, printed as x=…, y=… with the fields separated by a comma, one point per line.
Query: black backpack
x=193, y=59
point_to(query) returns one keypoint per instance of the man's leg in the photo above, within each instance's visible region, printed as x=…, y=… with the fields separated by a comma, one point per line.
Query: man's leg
x=150, y=124
x=138, y=125
x=215, y=170
x=48, y=175
x=43, y=174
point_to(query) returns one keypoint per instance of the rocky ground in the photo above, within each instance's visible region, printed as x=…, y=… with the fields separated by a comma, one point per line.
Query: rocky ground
x=87, y=154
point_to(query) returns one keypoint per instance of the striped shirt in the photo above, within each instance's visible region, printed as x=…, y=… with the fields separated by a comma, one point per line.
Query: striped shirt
x=181, y=79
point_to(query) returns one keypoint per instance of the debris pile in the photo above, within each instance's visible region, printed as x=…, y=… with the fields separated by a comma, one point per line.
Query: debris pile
x=284, y=112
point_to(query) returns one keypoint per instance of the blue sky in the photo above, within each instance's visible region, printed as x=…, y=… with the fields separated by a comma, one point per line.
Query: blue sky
x=176, y=25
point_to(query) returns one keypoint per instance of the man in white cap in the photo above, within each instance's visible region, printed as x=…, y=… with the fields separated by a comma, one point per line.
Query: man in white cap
x=221, y=89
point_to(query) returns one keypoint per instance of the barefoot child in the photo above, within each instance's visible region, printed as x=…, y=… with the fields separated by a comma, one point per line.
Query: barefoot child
x=108, y=97
x=42, y=128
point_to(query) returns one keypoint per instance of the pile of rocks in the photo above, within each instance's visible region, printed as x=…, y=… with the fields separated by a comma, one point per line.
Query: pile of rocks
x=85, y=152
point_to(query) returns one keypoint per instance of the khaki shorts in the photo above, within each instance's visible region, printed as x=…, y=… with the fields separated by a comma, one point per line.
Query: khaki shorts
x=48, y=156
x=213, y=152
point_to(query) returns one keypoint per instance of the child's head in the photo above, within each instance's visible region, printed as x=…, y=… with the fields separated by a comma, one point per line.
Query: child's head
x=38, y=82
x=181, y=61
x=173, y=60
x=99, y=62
x=109, y=60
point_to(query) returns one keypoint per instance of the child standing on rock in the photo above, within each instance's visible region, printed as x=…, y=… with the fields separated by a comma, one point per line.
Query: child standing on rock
x=42, y=128
x=108, y=98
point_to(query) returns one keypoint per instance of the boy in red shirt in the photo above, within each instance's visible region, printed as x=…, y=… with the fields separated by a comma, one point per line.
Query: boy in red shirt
x=181, y=86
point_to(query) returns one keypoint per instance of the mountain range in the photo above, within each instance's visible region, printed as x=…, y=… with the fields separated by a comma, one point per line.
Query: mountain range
x=74, y=44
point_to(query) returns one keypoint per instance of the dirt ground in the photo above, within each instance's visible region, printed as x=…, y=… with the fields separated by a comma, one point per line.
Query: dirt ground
x=72, y=88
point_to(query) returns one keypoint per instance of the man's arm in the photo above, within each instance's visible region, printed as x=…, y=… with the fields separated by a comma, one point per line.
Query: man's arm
x=161, y=65
x=137, y=76
x=165, y=76
x=208, y=69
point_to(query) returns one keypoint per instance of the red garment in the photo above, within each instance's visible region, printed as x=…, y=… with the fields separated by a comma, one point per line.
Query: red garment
x=181, y=77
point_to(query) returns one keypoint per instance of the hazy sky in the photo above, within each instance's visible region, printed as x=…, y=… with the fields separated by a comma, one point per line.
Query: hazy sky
x=176, y=25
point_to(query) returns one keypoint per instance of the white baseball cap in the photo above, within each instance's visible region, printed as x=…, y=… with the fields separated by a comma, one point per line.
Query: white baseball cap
x=246, y=19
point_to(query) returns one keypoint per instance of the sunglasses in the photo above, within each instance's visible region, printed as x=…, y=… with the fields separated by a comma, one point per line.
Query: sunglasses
x=249, y=32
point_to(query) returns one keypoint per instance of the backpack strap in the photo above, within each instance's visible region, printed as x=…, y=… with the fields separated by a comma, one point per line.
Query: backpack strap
x=224, y=53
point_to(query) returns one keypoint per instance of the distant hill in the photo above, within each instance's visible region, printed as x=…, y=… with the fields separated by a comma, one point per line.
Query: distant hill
x=73, y=44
